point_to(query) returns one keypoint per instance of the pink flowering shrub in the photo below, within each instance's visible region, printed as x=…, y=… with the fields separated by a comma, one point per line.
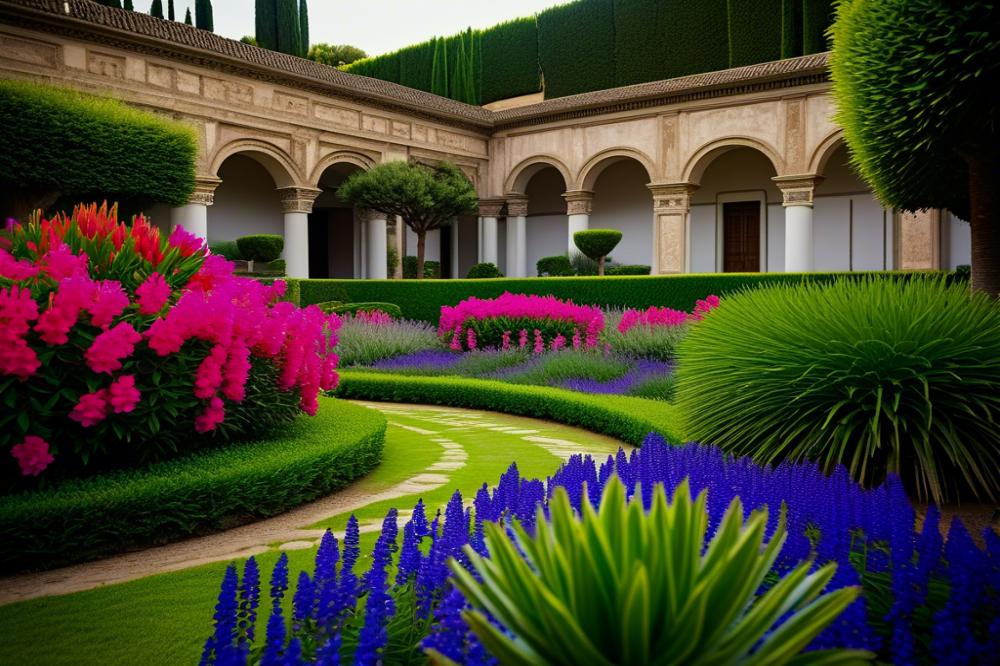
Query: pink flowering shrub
x=482, y=323
x=118, y=346
x=654, y=316
x=654, y=332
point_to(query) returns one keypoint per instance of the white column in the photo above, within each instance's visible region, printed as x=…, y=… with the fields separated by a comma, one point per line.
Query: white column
x=489, y=240
x=193, y=216
x=797, y=193
x=517, y=236
x=296, y=203
x=455, y=254
x=578, y=207
x=378, y=247
x=479, y=239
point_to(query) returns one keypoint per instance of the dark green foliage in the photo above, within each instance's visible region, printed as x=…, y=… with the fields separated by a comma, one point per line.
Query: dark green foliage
x=484, y=271
x=791, y=27
x=227, y=249
x=128, y=5
x=390, y=309
x=335, y=55
x=432, y=269
x=289, y=40
x=415, y=65
x=629, y=269
x=303, y=29
x=576, y=47
x=554, y=266
x=260, y=247
x=391, y=260
x=641, y=53
x=626, y=418
x=880, y=376
x=460, y=74
x=112, y=3
x=439, y=68
x=170, y=10
x=203, y=17
x=817, y=17
x=156, y=9
x=60, y=142
x=189, y=21
x=266, y=21
x=204, y=492
x=510, y=60
x=597, y=243
x=423, y=300
x=754, y=31
x=916, y=86
x=696, y=36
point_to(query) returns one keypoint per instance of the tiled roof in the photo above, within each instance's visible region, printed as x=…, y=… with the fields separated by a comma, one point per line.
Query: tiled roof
x=85, y=15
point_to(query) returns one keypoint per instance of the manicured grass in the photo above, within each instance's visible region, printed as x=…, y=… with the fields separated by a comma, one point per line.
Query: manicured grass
x=197, y=494
x=165, y=619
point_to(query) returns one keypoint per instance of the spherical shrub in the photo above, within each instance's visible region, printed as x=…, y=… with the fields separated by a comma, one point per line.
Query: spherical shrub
x=554, y=266
x=483, y=271
x=226, y=249
x=881, y=376
x=597, y=243
x=260, y=247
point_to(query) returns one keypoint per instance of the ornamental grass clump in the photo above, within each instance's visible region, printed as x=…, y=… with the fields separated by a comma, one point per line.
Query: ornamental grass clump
x=118, y=346
x=924, y=599
x=881, y=376
x=653, y=332
x=365, y=338
x=536, y=323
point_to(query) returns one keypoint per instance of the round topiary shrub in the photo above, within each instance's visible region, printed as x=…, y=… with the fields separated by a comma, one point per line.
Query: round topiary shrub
x=226, y=249
x=557, y=265
x=881, y=376
x=484, y=271
x=597, y=244
x=260, y=247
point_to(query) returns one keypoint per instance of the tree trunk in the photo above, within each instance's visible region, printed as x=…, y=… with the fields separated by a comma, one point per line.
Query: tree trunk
x=984, y=184
x=600, y=266
x=421, y=237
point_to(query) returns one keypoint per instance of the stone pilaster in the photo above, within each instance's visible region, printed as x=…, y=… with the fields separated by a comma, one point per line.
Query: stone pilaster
x=671, y=205
x=918, y=240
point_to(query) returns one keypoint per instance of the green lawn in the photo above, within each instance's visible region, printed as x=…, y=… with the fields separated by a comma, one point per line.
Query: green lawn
x=164, y=619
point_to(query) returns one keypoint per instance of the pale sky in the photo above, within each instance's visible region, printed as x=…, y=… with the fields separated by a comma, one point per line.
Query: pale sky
x=377, y=26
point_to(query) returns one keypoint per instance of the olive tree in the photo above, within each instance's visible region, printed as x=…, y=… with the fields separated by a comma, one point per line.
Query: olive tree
x=916, y=86
x=425, y=197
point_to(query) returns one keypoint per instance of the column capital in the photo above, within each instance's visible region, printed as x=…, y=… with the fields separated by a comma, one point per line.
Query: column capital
x=579, y=202
x=298, y=199
x=370, y=214
x=204, y=190
x=491, y=207
x=517, y=205
x=797, y=190
x=672, y=196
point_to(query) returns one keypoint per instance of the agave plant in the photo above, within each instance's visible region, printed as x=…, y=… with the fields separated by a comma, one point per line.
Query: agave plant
x=618, y=585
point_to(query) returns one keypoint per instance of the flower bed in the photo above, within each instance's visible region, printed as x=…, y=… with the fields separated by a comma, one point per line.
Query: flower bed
x=923, y=600
x=119, y=347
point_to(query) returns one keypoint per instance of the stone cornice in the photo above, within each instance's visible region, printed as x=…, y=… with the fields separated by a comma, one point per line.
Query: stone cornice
x=579, y=202
x=298, y=199
x=491, y=207
x=797, y=190
x=204, y=190
x=672, y=196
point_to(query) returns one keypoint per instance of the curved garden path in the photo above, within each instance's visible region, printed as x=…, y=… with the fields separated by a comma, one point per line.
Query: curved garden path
x=430, y=451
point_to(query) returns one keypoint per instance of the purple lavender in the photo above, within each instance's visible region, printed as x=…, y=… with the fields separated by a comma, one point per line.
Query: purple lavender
x=426, y=360
x=644, y=370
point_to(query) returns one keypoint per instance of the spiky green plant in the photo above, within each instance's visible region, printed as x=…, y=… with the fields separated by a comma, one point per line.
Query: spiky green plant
x=618, y=585
x=880, y=375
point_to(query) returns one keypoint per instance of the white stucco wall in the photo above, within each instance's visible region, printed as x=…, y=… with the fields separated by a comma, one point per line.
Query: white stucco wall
x=622, y=201
x=245, y=202
x=547, y=233
x=956, y=242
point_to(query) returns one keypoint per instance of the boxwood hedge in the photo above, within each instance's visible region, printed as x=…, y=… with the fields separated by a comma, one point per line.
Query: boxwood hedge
x=91, y=518
x=576, y=47
x=626, y=418
x=422, y=299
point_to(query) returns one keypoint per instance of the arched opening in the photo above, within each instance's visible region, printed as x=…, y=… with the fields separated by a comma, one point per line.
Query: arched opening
x=246, y=201
x=337, y=241
x=623, y=201
x=546, y=225
x=737, y=220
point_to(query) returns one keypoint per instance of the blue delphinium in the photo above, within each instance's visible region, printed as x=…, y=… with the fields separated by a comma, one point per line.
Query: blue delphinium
x=249, y=600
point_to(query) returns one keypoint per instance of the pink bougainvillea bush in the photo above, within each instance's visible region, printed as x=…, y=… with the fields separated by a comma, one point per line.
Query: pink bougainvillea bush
x=536, y=323
x=654, y=332
x=118, y=346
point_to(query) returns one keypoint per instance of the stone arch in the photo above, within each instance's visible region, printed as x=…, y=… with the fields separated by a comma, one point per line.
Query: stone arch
x=360, y=160
x=598, y=163
x=825, y=150
x=277, y=162
x=517, y=181
x=695, y=167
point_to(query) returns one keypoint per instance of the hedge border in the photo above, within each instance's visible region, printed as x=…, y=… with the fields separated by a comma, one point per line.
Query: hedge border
x=202, y=493
x=622, y=417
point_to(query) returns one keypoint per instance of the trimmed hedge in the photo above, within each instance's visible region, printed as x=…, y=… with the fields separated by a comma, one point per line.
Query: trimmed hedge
x=206, y=492
x=628, y=269
x=422, y=300
x=817, y=16
x=791, y=27
x=390, y=309
x=554, y=266
x=509, y=66
x=483, y=271
x=626, y=418
x=697, y=36
x=754, y=31
x=576, y=47
x=260, y=247
x=639, y=46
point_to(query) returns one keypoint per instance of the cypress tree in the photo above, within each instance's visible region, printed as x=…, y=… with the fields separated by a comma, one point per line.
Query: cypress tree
x=791, y=28
x=112, y=3
x=458, y=88
x=187, y=17
x=303, y=28
x=439, y=68
x=170, y=10
x=288, y=27
x=156, y=9
x=267, y=24
x=203, y=15
x=129, y=6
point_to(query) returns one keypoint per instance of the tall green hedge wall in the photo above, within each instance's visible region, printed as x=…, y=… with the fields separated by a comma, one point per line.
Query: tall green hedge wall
x=596, y=44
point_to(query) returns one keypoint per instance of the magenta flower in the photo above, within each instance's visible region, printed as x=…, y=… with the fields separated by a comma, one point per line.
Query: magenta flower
x=106, y=352
x=17, y=310
x=32, y=455
x=214, y=414
x=522, y=339
x=185, y=241
x=91, y=409
x=505, y=341
x=539, y=343
x=123, y=396
x=152, y=294
x=470, y=341
x=109, y=300
x=16, y=269
x=558, y=342
x=60, y=262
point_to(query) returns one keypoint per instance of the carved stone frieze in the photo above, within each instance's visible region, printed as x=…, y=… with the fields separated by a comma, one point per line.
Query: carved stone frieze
x=672, y=197
x=298, y=199
x=797, y=190
x=579, y=202
x=204, y=190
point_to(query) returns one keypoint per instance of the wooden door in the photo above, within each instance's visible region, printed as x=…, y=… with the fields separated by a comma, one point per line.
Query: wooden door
x=741, y=237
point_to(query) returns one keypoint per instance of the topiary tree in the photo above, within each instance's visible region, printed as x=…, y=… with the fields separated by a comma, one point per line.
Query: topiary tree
x=597, y=244
x=424, y=197
x=484, y=271
x=915, y=84
x=335, y=55
x=260, y=247
x=59, y=142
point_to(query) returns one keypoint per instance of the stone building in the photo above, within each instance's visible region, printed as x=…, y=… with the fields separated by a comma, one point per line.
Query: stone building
x=737, y=170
